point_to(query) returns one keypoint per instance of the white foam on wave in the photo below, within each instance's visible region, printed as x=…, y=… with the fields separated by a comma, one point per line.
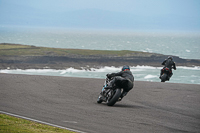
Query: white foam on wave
x=189, y=68
x=116, y=69
x=150, y=76
x=71, y=70
x=187, y=50
x=195, y=76
x=106, y=69
x=147, y=50
x=103, y=69
x=146, y=67
x=30, y=71
x=183, y=76
x=192, y=81
x=141, y=73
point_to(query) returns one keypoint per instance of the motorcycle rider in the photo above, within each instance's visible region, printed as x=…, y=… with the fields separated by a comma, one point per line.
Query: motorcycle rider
x=123, y=79
x=169, y=63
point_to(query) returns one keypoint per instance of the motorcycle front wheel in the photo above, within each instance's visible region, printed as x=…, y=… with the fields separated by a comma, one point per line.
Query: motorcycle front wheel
x=99, y=100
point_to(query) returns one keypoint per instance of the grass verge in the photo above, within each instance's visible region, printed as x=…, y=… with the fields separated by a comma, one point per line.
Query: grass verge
x=10, y=124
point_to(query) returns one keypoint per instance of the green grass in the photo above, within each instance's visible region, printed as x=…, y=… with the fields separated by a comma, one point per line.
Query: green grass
x=10, y=124
x=26, y=50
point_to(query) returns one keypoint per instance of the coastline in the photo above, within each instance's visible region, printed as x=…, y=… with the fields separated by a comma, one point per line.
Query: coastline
x=79, y=58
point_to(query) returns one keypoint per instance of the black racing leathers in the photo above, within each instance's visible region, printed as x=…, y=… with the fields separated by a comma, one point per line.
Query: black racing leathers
x=169, y=63
x=122, y=79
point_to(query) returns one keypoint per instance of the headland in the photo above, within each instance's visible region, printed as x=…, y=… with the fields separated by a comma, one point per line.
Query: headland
x=17, y=56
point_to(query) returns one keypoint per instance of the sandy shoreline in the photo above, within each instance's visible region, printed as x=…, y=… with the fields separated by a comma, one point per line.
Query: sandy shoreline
x=150, y=106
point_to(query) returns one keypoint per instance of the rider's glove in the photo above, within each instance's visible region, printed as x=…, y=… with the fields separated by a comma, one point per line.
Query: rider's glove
x=108, y=75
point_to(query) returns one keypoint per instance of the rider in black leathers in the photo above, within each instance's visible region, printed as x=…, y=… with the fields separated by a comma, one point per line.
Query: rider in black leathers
x=169, y=63
x=123, y=79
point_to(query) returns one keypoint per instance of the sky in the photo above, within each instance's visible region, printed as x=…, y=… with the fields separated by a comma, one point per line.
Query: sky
x=183, y=15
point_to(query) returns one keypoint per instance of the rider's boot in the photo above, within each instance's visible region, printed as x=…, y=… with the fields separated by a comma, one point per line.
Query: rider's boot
x=124, y=93
x=160, y=73
x=169, y=76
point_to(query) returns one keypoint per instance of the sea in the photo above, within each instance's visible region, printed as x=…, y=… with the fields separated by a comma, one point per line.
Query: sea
x=183, y=44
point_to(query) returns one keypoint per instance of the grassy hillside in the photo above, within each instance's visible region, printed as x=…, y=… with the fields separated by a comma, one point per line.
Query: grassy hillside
x=26, y=50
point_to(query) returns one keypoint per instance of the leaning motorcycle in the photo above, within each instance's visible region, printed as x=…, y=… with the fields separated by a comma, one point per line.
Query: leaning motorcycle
x=165, y=74
x=109, y=96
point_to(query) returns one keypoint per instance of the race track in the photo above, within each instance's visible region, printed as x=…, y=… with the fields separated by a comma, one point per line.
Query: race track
x=71, y=102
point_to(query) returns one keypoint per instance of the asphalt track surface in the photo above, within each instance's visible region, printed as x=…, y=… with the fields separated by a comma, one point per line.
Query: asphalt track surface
x=71, y=102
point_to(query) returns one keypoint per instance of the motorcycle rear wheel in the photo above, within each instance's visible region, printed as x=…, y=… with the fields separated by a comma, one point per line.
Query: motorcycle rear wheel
x=164, y=77
x=115, y=97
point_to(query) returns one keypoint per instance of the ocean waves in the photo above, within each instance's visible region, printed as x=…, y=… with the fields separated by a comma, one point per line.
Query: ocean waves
x=188, y=75
x=183, y=45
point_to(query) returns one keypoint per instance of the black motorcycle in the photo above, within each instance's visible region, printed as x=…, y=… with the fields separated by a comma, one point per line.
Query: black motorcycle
x=110, y=96
x=165, y=74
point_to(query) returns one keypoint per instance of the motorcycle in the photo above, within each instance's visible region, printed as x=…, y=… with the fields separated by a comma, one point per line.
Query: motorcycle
x=165, y=74
x=110, y=96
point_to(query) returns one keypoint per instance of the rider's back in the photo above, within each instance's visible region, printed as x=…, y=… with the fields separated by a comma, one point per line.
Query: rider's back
x=125, y=74
x=169, y=63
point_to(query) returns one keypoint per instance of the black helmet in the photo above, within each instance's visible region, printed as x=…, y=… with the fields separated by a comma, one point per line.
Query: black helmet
x=125, y=68
x=170, y=57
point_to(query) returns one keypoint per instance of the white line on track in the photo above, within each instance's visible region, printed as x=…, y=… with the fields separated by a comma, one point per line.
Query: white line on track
x=46, y=123
x=70, y=121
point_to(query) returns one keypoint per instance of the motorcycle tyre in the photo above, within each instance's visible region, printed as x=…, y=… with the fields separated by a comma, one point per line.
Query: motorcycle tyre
x=164, y=77
x=99, y=100
x=115, y=97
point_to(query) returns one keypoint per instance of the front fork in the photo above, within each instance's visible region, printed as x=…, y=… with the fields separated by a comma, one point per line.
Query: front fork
x=106, y=83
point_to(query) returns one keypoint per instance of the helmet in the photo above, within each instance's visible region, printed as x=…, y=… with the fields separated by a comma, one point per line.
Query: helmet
x=125, y=68
x=170, y=57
